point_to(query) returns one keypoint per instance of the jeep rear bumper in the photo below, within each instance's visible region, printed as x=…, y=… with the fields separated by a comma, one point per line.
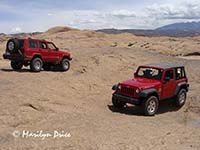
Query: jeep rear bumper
x=127, y=99
x=15, y=57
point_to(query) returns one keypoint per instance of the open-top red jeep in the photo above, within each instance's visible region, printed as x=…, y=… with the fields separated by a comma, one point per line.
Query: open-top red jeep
x=152, y=83
x=36, y=53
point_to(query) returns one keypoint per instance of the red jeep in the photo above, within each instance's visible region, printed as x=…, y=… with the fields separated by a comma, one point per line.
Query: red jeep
x=152, y=83
x=36, y=53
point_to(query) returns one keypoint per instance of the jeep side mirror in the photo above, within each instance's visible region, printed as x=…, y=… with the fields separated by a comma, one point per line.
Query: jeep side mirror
x=167, y=78
x=135, y=74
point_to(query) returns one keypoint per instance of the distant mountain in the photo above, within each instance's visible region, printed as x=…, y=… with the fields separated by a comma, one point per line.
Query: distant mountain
x=173, y=30
x=25, y=34
x=132, y=31
x=2, y=34
x=185, y=26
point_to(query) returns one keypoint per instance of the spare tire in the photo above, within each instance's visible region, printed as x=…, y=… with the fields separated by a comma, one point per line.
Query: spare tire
x=12, y=45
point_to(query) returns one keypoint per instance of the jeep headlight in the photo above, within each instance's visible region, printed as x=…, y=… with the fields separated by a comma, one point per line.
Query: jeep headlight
x=116, y=87
x=137, y=91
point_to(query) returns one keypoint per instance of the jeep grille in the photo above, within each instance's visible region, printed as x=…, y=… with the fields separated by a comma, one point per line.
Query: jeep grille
x=127, y=91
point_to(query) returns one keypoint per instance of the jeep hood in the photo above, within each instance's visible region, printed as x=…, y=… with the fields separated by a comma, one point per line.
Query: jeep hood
x=63, y=52
x=141, y=83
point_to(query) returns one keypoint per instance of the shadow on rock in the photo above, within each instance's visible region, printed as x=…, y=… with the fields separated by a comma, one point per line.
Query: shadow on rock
x=28, y=70
x=128, y=110
x=11, y=70
x=167, y=106
x=164, y=107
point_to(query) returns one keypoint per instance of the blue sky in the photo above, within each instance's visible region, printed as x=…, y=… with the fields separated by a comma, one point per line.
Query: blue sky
x=39, y=15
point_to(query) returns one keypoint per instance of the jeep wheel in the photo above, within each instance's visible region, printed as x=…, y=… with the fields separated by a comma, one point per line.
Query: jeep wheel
x=65, y=65
x=36, y=65
x=16, y=65
x=117, y=103
x=47, y=67
x=181, y=98
x=12, y=45
x=151, y=106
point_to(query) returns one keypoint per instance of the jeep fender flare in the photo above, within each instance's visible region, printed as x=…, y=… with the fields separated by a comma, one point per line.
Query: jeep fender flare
x=115, y=87
x=147, y=92
x=182, y=85
x=36, y=55
x=66, y=56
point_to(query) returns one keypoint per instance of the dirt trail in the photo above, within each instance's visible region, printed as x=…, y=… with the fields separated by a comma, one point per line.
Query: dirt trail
x=79, y=102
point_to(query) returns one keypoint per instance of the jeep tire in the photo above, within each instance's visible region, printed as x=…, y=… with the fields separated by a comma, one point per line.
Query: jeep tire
x=150, y=106
x=12, y=45
x=16, y=65
x=65, y=64
x=117, y=103
x=181, y=98
x=36, y=64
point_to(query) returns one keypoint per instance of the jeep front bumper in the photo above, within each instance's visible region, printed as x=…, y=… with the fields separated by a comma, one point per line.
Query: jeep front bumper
x=127, y=99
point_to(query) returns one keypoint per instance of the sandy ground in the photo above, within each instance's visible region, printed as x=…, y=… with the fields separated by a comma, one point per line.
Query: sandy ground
x=79, y=101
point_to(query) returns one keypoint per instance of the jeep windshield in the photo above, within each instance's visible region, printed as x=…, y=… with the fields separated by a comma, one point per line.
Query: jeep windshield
x=150, y=73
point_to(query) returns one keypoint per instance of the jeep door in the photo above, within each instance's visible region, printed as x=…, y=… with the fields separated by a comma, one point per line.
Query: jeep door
x=53, y=52
x=169, y=83
x=32, y=48
x=44, y=50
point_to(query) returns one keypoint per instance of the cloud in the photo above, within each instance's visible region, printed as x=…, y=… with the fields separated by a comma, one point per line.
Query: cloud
x=91, y=19
x=123, y=14
x=50, y=14
x=16, y=30
x=151, y=16
x=186, y=10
